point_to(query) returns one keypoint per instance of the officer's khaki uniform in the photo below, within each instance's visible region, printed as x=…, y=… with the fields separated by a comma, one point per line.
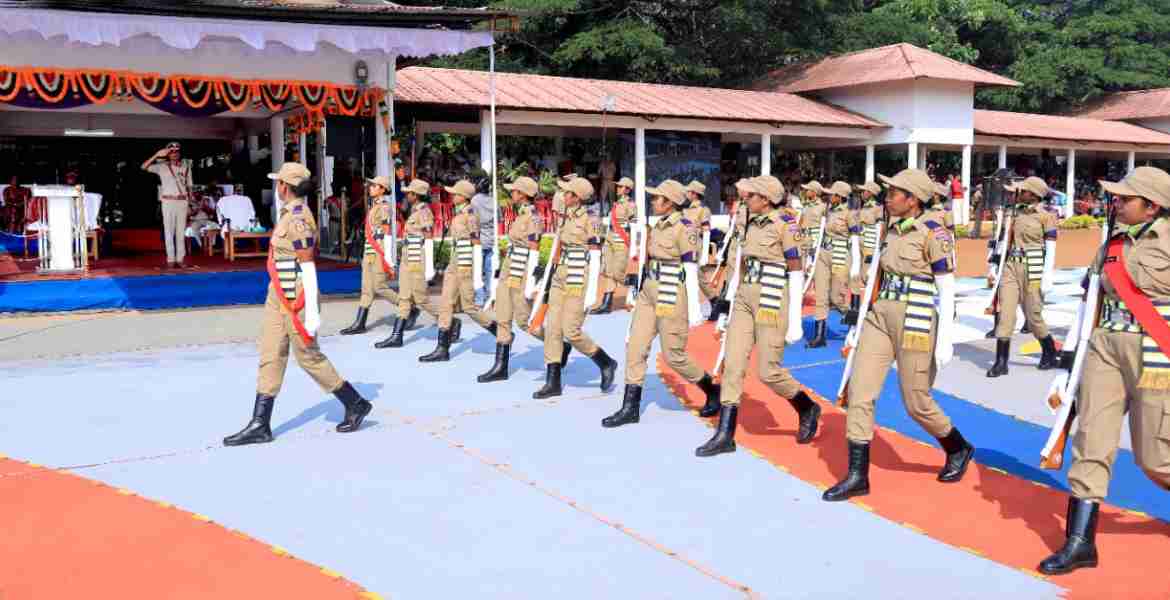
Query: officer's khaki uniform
x=870, y=217
x=615, y=255
x=295, y=230
x=412, y=283
x=458, y=280
x=566, y=303
x=810, y=225
x=832, y=281
x=1031, y=227
x=771, y=244
x=511, y=305
x=914, y=248
x=375, y=282
x=699, y=216
x=670, y=244
x=1112, y=382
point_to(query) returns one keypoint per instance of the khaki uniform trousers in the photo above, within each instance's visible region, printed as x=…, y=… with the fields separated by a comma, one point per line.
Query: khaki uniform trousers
x=412, y=290
x=375, y=283
x=829, y=287
x=614, y=257
x=459, y=296
x=1012, y=290
x=277, y=333
x=705, y=287
x=881, y=343
x=1109, y=388
x=563, y=322
x=745, y=331
x=174, y=214
x=511, y=306
x=672, y=332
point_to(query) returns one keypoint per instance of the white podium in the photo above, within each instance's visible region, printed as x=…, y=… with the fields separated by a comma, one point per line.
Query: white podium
x=61, y=241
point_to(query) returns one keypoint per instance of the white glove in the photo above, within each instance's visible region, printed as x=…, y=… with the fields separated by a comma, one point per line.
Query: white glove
x=1056, y=388
x=944, y=349
x=428, y=259
x=721, y=324
x=1049, y=267
x=476, y=267
x=795, y=331
x=694, y=314
x=854, y=256
x=530, y=282
x=388, y=258
x=592, y=274
x=312, y=307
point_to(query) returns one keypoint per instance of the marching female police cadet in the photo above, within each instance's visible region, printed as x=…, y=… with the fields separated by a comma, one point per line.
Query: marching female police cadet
x=417, y=263
x=764, y=313
x=615, y=255
x=903, y=325
x=460, y=280
x=516, y=270
x=578, y=235
x=872, y=222
x=839, y=262
x=700, y=217
x=667, y=305
x=377, y=265
x=1126, y=368
x=293, y=289
x=1027, y=274
x=811, y=213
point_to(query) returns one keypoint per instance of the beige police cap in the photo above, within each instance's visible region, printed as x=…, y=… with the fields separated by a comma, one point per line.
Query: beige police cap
x=524, y=185
x=744, y=185
x=462, y=187
x=579, y=186
x=941, y=189
x=1031, y=184
x=625, y=182
x=869, y=186
x=914, y=181
x=380, y=180
x=671, y=190
x=814, y=186
x=292, y=173
x=839, y=188
x=697, y=187
x=1150, y=183
x=768, y=187
x=419, y=187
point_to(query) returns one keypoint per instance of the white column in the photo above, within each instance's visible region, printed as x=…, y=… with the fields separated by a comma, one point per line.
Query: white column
x=303, y=148
x=912, y=155
x=869, y=163
x=1002, y=157
x=1132, y=162
x=1071, y=183
x=276, y=131
x=962, y=212
x=640, y=169
x=765, y=154
x=922, y=152
x=381, y=137
x=485, y=140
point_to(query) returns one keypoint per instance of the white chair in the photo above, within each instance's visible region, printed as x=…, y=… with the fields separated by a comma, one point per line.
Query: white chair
x=236, y=214
x=93, y=229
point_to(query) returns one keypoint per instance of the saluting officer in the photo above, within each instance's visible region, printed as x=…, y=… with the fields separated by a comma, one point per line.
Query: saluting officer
x=839, y=261
x=516, y=270
x=578, y=233
x=766, y=314
x=665, y=302
x=416, y=260
x=872, y=220
x=459, y=283
x=903, y=326
x=615, y=255
x=1027, y=274
x=293, y=289
x=1126, y=365
x=377, y=266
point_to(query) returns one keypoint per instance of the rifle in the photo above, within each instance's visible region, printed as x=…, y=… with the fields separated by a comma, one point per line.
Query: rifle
x=541, y=308
x=494, y=286
x=636, y=270
x=1007, y=246
x=869, y=296
x=732, y=288
x=1062, y=392
x=808, y=278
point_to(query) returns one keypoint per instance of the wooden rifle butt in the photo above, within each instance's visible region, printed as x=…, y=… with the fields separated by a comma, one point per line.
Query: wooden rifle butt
x=1054, y=401
x=845, y=350
x=843, y=399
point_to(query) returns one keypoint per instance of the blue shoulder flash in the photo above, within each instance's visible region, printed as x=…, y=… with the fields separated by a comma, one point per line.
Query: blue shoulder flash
x=932, y=224
x=686, y=221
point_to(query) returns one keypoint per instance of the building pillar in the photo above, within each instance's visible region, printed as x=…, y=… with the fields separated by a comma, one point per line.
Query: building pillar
x=870, y=164
x=485, y=141
x=1002, y=157
x=640, y=171
x=912, y=155
x=1071, y=183
x=1131, y=163
x=276, y=131
x=963, y=211
x=765, y=154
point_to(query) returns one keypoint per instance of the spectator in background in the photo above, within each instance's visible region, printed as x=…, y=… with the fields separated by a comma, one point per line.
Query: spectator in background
x=485, y=211
x=15, y=198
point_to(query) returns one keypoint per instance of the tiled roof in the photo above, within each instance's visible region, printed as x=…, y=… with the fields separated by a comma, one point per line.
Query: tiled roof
x=455, y=87
x=1124, y=106
x=1080, y=129
x=898, y=62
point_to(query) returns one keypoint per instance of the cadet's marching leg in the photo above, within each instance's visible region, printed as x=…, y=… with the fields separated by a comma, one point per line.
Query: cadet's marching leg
x=554, y=346
x=573, y=315
x=822, y=288
x=366, y=299
x=1009, y=299
x=447, y=319
x=642, y=331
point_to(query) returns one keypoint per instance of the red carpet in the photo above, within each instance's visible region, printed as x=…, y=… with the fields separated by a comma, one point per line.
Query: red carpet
x=990, y=513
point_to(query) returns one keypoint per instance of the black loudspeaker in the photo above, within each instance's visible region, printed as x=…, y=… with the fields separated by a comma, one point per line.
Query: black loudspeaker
x=343, y=135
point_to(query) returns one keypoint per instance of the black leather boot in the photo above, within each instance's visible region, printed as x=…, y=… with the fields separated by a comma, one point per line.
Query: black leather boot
x=724, y=438
x=412, y=318
x=456, y=330
x=991, y=334
x=552, y=383
x=356, y=408
x=565, y=352
x=1048, y=357
x=359, y=323
x=1025, y=328
x=810, y=414
x=711, y=406
x=856, y=482
x=820, y=332
x=395, y=339
x=608, y=368
x=441, y=352
x=959, y=453
x=1002, y=349
x=1080, y=545
x=499, y=370
x=630, y=411
x=606, y=305
x=492, y=328
x=854, y=310
x=718, y=307
x=257, y=431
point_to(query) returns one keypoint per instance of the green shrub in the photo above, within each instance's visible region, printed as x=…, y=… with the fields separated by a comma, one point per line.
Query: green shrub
x=962, y=231
x=545, y=248
x=442, y=255
x=1080, y=222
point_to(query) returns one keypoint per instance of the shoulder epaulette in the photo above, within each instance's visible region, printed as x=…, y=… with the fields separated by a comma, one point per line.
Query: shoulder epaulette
x=686, y=221
x=298, y=209
x=931, y=223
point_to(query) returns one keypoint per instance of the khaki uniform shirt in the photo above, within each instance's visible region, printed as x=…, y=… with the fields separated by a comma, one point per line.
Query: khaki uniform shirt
x=672, y=239
x=377, y=221
x=175, y=179
x=698, y=214
x=1031, y=226
x=464, y=223
x=917, y=247
x=842, y=222
x=811, y=215
x=870, y=214
x=1147, y=260
x=773, y=237
x=526, y=228
x=625, y=211
x=580, y=228
x=421, y=220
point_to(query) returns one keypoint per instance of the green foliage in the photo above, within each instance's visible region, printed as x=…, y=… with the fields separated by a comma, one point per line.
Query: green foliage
x=545, y=248
x=442, y=255
x=962, y=231
x=1081, y=222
